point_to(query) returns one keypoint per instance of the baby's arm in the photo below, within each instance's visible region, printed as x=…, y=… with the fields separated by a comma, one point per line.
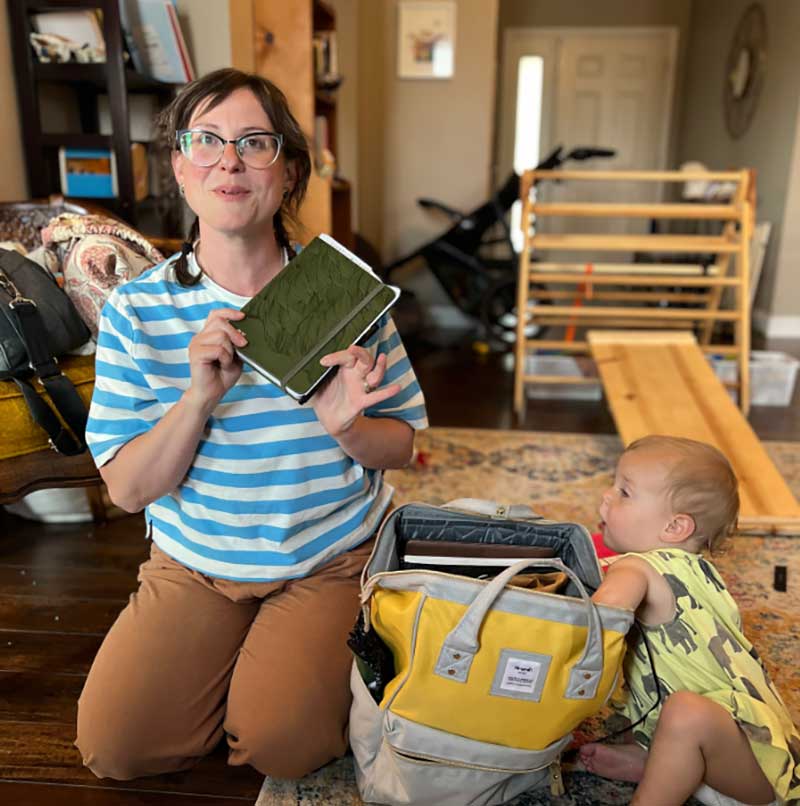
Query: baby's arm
x=626, y=584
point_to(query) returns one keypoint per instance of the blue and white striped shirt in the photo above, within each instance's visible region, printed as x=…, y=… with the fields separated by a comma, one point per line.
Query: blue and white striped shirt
x=270, y=494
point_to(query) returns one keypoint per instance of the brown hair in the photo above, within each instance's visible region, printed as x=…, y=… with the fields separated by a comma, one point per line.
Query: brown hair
x=215, y=87
x=701, y=483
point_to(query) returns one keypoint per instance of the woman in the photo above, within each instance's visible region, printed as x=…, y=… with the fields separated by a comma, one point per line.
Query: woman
x=260, y=510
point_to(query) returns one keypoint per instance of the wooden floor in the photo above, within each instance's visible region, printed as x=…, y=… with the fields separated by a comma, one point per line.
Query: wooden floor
x=62, y=586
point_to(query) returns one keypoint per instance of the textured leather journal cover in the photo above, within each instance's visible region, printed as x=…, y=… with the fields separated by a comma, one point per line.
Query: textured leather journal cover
x=325, y=299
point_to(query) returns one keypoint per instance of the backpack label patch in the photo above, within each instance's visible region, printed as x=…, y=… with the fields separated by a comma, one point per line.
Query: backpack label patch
x=520, y=675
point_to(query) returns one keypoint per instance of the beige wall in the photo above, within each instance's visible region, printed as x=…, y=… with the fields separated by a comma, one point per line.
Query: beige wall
x=13, y=183
x=422, y=137
x=347, y=23
x=767, y=144
x=784, y=317
x=206, y=27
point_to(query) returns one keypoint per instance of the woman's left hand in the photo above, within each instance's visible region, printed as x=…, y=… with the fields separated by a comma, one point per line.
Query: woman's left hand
x=352, y=389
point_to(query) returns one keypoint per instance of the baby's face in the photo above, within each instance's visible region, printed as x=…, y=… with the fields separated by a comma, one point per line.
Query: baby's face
x=636, y=509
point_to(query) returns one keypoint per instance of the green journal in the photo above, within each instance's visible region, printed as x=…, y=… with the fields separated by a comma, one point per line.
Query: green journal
x=324, y=300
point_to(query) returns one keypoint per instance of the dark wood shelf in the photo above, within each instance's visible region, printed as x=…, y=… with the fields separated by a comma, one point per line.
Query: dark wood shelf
x=324, y=16
x=76, y=140
x=96, y=75
x=87, y=82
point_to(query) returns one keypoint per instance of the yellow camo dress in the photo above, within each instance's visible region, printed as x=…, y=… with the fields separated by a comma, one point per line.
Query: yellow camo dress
x=704, y=650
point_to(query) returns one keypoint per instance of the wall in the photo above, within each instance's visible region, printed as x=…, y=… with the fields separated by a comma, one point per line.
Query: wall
x=13, y=184
x=767, y=144
x=207, y=29
x=422, y=137
x=347, y=139
x=609, y=14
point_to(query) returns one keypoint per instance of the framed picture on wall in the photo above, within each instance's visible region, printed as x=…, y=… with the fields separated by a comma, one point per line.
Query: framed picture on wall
x=426, y=38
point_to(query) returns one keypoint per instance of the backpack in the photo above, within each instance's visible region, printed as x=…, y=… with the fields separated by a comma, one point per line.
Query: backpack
x=466, y=686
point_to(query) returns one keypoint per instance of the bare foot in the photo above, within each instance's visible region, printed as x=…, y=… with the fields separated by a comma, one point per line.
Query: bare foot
x=621, y=762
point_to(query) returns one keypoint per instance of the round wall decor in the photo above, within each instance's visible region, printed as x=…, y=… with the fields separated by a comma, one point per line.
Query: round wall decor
x=745, y=68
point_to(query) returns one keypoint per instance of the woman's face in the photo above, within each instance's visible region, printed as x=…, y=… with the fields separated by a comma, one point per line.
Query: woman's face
x=232, y=197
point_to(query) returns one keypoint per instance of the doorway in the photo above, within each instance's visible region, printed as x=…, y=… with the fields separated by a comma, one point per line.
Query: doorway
x=605, y=87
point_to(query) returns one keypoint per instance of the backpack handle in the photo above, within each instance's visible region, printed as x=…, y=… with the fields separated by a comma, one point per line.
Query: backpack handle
x=461, y=644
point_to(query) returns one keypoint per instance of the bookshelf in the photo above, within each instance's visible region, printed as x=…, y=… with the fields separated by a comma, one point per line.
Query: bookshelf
x=277, y=40
x=158, y=216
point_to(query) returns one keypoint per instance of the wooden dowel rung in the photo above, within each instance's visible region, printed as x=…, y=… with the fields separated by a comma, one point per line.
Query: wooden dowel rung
x=623, y=296
x=538, y=345
x=690, y=269
x=714, y=212
x=636, y=324
x=639, y=176
x=638, y=279
x=574, y=380
x=713, y=244
x=597, y=312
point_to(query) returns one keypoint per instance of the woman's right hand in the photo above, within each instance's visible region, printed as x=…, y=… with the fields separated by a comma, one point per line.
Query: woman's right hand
x=213, y=363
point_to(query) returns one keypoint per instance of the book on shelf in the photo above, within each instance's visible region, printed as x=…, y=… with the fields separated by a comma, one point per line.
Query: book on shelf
x=155, y=40
x=81, y=26
x=324, y=300
x=92, y=172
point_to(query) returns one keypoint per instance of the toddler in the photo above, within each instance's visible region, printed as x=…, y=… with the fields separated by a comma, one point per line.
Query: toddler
x=721, y=731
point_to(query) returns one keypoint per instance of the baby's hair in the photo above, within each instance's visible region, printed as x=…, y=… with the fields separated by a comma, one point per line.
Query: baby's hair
x=700, y=483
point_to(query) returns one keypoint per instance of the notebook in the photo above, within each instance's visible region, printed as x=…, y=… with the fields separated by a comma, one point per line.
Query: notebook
x=467, y=559
x=325, y=299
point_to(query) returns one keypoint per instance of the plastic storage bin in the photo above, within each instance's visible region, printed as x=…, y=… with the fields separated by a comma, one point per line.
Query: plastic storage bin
x=772, y=376
x=561, y=365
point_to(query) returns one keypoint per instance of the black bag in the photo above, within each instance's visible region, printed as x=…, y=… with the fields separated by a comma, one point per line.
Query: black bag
x=38, y=322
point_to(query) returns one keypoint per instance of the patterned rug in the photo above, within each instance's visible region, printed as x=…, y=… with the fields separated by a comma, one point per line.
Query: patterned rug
x=562, y=476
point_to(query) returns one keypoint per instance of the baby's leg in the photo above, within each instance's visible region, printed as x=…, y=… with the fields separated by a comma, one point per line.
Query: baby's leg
x=698, y=741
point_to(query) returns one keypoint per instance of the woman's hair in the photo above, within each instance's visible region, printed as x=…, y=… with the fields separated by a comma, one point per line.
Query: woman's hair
x=211, y=90
x=700, y=483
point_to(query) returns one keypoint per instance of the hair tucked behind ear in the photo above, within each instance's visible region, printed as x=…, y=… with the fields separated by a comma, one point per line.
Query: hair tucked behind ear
x=211, y=90
x=281, y=235
x=182, y=273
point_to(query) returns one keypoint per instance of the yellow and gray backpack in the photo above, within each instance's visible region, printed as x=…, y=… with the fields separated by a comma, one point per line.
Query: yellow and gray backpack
x=472, y=668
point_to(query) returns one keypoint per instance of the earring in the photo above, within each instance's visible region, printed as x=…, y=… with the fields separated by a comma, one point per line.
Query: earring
x=182, y=190
x=285, y=192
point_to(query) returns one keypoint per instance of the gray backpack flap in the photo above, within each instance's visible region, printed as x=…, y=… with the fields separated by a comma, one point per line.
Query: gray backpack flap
x=487, y=679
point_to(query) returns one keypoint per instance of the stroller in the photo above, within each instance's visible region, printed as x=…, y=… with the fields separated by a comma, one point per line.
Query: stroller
x=475, y=260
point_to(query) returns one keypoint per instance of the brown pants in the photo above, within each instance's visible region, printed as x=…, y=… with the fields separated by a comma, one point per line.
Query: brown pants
x=192, y=657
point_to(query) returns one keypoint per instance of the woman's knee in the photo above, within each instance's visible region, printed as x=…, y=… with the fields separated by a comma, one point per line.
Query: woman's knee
x=287, y=751
x=118, y=740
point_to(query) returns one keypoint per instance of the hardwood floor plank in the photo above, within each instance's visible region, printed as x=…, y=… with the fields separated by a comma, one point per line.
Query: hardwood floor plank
x=56, y=614
x=44, y=652
x=81, y=546
x=75, y=583
x=41, y=697
x=45, y=753
x=25, y=794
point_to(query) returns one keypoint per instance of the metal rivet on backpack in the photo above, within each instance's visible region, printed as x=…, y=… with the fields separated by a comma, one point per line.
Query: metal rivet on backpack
x=456, y=656
x=581, y=692
x=587, y=676
x=451, y=671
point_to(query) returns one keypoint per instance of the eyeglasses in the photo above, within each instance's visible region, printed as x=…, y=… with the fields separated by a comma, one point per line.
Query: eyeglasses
x=204, y=149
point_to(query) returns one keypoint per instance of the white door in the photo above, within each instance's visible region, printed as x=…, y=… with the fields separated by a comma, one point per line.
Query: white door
x=610, y=88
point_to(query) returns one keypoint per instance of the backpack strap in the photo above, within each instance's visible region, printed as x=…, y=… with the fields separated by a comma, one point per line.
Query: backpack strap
x=65, y=398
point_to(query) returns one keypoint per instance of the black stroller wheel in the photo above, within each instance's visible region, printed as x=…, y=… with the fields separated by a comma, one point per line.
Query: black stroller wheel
x=499, y=316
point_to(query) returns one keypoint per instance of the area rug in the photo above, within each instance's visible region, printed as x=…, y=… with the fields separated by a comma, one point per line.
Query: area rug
x=562, y=476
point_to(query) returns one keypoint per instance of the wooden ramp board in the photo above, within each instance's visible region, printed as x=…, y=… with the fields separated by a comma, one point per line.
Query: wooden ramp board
x=660, y=383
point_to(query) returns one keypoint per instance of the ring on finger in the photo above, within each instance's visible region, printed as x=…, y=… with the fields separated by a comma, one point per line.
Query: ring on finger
x=368, y=387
